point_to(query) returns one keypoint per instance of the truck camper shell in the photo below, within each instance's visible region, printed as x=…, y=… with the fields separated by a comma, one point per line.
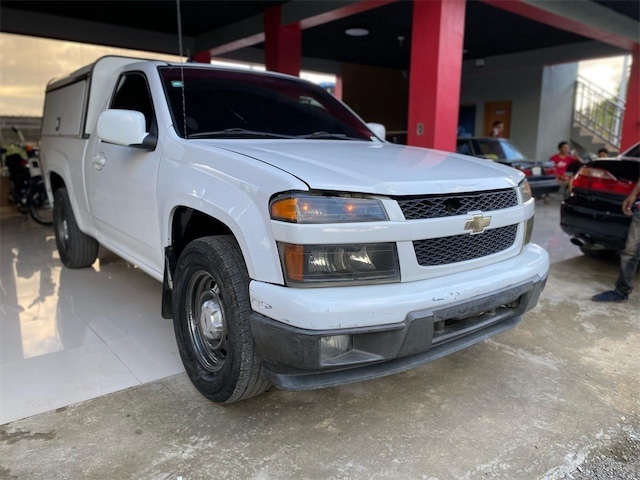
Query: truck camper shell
x=66, y=116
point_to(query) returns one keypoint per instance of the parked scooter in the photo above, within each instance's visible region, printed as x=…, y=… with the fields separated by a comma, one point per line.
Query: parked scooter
x=27, y=189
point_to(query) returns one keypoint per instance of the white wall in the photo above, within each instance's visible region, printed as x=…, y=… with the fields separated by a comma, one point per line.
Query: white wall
x=522, y=87
x=556, y=107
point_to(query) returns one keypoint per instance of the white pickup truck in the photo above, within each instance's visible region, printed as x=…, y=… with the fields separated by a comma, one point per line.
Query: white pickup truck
x=296, y=247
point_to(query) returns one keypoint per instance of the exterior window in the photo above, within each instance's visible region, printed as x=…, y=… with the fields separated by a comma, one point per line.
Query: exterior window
x=463, y=148
x=132, y=93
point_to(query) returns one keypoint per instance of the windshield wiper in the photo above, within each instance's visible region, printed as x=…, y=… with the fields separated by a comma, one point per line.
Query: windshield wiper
x=337, y=136
x=237, y=133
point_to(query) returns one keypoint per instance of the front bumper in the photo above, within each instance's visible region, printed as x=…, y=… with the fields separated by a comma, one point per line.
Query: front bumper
x=392, y=327
x=291, y=356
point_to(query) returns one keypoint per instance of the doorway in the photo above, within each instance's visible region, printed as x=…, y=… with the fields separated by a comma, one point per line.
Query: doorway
x=497, y=112
x=467, y=121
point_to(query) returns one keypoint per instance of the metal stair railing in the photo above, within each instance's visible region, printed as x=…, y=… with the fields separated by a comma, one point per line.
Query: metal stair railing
x=599, y=111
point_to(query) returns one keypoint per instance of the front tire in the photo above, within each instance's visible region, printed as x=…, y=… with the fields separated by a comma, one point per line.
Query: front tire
x=211, y=310
x=77, y=249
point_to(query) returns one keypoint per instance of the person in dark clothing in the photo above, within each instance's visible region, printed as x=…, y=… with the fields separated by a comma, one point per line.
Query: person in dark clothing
x=630, y=256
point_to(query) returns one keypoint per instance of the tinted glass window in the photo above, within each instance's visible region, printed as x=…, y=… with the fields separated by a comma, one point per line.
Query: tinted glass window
x=497, y=149
x=463, y=148
x=227, y=104
x=633, y=152
x=132, y=93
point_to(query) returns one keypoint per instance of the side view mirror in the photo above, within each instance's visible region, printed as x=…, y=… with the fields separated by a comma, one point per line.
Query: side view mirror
x=126, y=128
x=378, y=129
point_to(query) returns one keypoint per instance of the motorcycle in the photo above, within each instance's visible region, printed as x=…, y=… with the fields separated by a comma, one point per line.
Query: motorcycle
x=27, y=188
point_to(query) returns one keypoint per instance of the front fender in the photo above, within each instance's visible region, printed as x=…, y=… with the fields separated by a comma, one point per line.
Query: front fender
x=234, y=190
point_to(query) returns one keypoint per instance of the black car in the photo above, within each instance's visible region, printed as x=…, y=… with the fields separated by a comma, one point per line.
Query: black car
x=592, y=215
x=540, y=174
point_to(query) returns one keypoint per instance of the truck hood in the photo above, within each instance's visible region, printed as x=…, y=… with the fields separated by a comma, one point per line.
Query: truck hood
x=378, y=168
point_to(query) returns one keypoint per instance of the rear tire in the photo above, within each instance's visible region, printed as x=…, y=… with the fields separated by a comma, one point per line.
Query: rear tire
x=38, y=203
x=77, y=249
x=603, y=254
x=211, y=311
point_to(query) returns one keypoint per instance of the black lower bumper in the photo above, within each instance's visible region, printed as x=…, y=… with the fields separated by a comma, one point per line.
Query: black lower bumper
x=605, y=226
x=543, y=185
x=292, y=359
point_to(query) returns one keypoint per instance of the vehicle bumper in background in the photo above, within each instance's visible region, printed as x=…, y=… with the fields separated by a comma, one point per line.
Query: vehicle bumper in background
x=604, y=227
x=542, y=186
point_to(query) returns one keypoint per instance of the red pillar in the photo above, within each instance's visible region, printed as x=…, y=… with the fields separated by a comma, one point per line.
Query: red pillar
x=282, y=43
x=338, y=90
x=435, y=73
x=202, y=57
x=631, y=120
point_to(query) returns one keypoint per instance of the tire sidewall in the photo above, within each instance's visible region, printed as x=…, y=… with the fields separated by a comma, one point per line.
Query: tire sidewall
x=61, y=207
x=218, y=386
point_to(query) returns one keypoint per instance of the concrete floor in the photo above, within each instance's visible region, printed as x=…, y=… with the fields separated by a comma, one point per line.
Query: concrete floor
x=557, y=397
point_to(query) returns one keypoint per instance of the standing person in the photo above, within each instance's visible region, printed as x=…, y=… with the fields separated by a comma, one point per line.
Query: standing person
x=563, y=159
x=630, y=256
x=496, y=129
x=603, y=153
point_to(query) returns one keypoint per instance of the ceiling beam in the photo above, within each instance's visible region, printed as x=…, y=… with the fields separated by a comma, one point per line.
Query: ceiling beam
x=307, y=14
x=73, y=30
x=582, y=17
x=314, y=14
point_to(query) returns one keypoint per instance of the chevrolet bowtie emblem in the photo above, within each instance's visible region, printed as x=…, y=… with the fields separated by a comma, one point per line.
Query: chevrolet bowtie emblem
x=477, y=224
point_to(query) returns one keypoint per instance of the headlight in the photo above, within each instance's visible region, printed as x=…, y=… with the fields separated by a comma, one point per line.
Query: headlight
x=307, y=208
x=525, y=191
x=315, y=265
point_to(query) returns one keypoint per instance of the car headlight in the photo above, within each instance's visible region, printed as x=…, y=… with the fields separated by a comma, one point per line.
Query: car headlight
x=525, y=191
x=308, y=208
x=323, y=265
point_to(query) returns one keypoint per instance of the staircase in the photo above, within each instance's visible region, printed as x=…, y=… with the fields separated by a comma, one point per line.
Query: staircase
x=597, y=118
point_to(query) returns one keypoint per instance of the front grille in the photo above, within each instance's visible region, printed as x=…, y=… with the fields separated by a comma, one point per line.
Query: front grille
x=458, y=248
x=437, y=206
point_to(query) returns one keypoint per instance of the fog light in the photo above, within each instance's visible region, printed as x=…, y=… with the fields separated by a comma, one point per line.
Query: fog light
x=334, y=346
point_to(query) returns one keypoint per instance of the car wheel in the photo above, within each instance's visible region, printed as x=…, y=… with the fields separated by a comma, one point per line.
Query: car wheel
x=603, y=254
x=76, y=249
x=38, y=203
x=211, y=310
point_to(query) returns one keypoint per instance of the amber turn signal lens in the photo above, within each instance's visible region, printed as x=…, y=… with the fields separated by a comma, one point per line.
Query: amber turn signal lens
x=294, y=261
x=285, y=209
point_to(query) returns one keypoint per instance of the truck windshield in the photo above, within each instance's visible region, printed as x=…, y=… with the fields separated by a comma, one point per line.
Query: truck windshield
x=229, y=104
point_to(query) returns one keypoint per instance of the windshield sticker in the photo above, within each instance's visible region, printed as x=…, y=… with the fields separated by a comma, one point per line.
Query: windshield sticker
x=177, y=83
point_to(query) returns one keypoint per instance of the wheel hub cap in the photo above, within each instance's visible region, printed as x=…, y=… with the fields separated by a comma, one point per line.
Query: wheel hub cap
x=211, y=321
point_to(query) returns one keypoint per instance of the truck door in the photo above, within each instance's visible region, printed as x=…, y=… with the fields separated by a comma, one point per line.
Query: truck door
x=122, y=182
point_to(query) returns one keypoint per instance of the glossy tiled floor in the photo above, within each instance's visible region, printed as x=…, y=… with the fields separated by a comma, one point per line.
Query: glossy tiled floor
x=70, y=335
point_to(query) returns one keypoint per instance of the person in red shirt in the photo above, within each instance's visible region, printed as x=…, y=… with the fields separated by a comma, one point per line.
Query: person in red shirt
x=563, y=159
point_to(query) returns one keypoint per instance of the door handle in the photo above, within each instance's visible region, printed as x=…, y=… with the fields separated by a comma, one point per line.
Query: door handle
x=99, y=161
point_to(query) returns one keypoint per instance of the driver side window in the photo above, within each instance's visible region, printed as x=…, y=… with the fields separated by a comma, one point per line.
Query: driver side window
x=132, y=93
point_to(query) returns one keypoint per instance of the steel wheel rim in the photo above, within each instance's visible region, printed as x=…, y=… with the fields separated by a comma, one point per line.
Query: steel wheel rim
x=62, y=228
x=207, y=323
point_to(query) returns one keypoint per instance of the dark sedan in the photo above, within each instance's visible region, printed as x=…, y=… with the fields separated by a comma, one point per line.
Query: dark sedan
x=592, y=215
x=540, y=174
